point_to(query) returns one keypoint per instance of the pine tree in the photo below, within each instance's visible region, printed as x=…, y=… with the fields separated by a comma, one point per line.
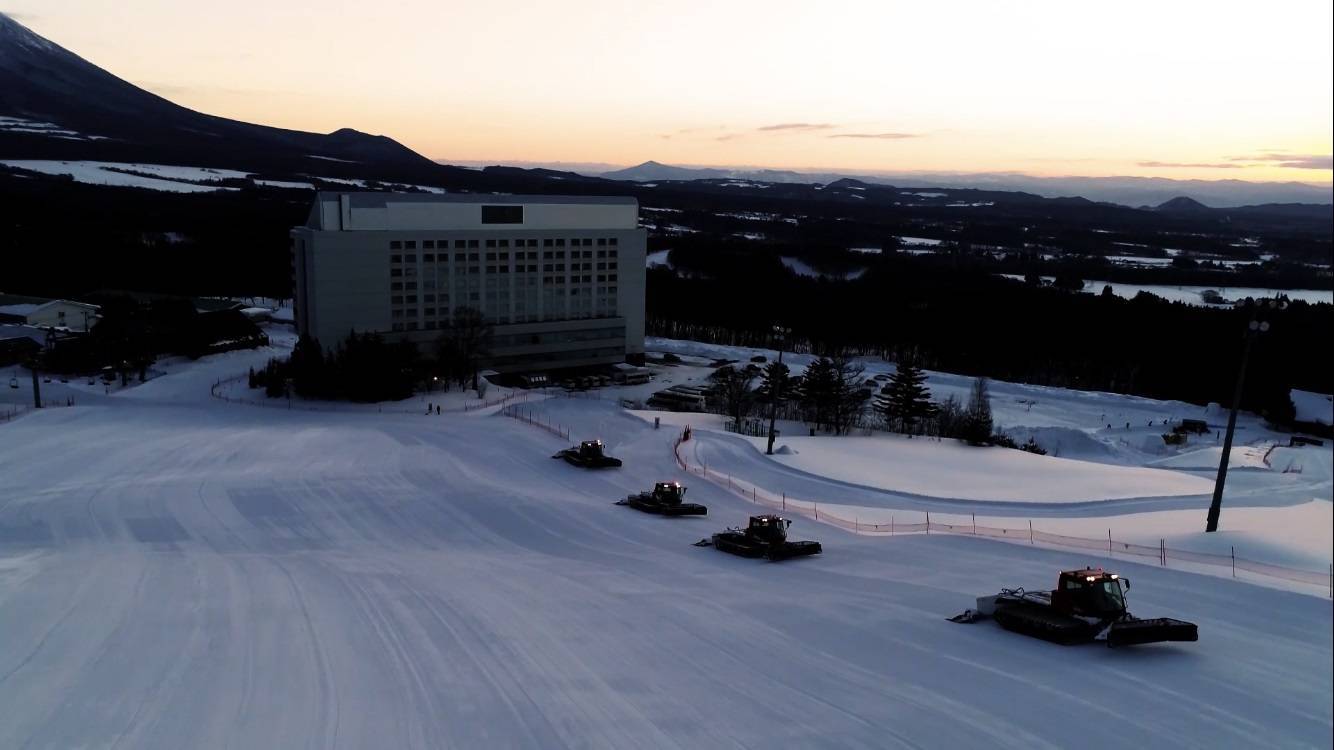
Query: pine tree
x=978, y=418
x=906, y=401
x=774, y=382
x=731, y=389
x=817, y=391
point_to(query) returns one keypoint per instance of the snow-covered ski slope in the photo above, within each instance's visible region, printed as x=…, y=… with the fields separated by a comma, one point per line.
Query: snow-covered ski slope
x=176, y=571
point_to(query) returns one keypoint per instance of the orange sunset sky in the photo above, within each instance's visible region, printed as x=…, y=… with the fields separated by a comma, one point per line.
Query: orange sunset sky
x=1172, y=89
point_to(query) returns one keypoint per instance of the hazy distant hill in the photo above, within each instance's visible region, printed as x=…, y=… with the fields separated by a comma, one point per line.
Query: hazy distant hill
x=1126, y=191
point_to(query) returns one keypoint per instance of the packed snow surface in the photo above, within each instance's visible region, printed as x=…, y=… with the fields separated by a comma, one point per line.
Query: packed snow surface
x=176, y=571
x=950, y=468
x=151, y=176
x=1316, y=408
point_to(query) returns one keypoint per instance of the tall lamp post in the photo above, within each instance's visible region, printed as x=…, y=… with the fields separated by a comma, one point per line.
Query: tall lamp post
x=774, y=386
x=1260, y=311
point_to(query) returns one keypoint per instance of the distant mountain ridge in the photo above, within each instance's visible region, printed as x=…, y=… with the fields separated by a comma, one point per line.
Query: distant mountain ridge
x=1125, y=191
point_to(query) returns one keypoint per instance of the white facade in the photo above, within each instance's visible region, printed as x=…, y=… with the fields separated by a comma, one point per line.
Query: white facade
x=56, y=313
x=560, y=278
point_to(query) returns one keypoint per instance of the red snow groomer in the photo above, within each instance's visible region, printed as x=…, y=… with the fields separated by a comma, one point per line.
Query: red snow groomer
x=1087, y=605
x=590, y=454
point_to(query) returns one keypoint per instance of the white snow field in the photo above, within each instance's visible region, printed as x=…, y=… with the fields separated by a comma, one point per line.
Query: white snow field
x=176, y=571
x=954, y=469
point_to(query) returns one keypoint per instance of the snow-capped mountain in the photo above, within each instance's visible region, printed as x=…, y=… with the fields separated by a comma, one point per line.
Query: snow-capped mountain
x=55, y=104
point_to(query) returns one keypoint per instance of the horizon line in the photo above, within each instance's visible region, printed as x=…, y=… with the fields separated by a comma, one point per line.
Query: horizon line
x=870, y=172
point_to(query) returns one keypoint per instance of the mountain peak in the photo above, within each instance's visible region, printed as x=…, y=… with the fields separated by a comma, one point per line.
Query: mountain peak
x=68, y=108
x=1181, y=204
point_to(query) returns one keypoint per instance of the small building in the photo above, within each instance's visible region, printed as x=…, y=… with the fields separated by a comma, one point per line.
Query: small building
x=19, y=343
x=1196, y=426
x=44, y=312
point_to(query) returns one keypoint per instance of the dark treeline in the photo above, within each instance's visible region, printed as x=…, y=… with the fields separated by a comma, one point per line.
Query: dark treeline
x=64, y=239
x=969, y=321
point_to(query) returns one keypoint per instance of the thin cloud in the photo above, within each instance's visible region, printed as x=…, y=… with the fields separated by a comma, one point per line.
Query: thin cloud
x=797, y=126
x=1190, y=164
x=879, y=136
x=1291, y=161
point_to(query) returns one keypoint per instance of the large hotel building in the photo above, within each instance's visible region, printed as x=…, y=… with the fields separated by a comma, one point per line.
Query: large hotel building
x=560, y=278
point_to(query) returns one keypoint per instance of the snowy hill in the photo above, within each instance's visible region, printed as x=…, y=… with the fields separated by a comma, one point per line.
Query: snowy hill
x=176, y=570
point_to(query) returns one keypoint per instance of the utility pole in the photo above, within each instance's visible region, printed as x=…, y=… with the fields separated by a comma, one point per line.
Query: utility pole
x=774, y=385
x=36, y=386
x=1258, y=325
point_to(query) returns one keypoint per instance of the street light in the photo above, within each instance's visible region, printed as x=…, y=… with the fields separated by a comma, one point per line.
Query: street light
x=1260, y=310
x=774, y=385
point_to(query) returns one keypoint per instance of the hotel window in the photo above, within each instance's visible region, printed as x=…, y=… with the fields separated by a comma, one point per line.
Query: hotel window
x=459, y=243
x=560, y=242
x=602, y=242
x=409, y=245
x=409, y=258
x=502, y=214
x=611, y=241
x=397, y=286
x=398, y=326
x=395, y=245
x=490, y=257
x=395, y=272
x=472, y=244
x=490, y=243
x=504, y=243
x=411, y=299
x=396, y=300
x=546, y=243
x=428, y=258
x=428, y=244
x=411, y=286
x=396, y=259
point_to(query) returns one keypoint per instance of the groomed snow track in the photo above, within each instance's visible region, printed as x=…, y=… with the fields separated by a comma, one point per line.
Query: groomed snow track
x=201, y=575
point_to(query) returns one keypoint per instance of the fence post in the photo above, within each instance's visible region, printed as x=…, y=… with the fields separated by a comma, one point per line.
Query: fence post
x=974, y=524
x=1109, y=541
x=928, y=522
x=1030, y=531
x=784, y=501
x=1234, y=561
x=817, y=511
x=891, y=524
